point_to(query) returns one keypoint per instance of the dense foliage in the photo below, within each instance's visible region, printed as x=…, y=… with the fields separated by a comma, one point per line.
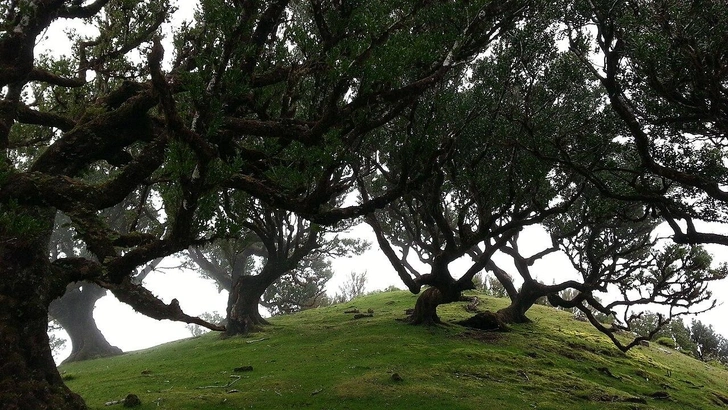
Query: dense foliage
x=447, y=126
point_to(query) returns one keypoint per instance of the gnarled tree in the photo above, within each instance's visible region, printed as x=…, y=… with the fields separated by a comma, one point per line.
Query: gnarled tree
x=286, y=243
x=274, y=98
x=612, y=246
x=661, y=68
x=490, y=187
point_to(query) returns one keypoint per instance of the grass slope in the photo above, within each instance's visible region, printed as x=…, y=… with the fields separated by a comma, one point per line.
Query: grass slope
x=325, y=359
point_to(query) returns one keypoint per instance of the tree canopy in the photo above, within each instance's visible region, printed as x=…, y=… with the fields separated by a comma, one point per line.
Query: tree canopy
x=446, y=126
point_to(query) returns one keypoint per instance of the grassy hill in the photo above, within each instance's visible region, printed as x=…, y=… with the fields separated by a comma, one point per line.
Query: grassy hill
x=325, y=359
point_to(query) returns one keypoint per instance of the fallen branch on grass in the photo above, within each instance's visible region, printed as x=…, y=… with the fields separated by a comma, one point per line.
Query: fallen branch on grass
x=232, y=376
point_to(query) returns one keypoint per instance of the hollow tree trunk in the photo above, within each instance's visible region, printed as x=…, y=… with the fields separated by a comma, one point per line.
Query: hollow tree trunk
x=74, y=311
x=28, y=376
x=243, y=315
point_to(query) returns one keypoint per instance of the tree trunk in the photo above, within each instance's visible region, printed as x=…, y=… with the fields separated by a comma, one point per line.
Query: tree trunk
x=530, y=292
x=442, y=289
x=74, y=311
x=243, y=315
x=28, y=376
x=515, y=312
x=425, y=312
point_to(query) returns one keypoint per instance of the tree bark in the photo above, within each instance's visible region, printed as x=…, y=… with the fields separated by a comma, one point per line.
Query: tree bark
x=425, y=312
x=243, y=315
x=28, y=375
x=521, y=302
x=74, y=311
x=515, y=312
x=442, y=289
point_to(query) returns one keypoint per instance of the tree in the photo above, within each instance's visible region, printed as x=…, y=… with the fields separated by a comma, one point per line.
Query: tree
x=212, y=317
x=565, y=123
x=353, y=287
x=464, y=210
x=493, y=287
x=226, y=261
x=287, y=245
x=299, y=289
x=660, y=67
x=612, y=247
x=676, y=330
x=489, y=187
x=442, y=224
x=272, y=98
x=57, y=343
x=707, y=344
x=74, y=310
x=531, y=291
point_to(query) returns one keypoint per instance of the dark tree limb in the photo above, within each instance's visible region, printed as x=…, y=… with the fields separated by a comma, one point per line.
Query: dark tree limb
x=143, y=301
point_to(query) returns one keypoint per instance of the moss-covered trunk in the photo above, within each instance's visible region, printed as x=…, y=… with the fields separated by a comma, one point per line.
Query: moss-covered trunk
x=521, y=302
x=425, y=312
x=442, y=289
x=243, y=315
x=28, y=376
x=515, y=312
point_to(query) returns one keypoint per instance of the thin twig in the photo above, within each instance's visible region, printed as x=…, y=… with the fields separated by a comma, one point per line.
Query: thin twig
x=232, y=376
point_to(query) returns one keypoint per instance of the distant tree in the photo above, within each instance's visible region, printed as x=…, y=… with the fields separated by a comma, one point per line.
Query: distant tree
x=493, y=287
x=301, y=288
x=680, y=333
x=722, y=354
x=287, y=245
x=225, y=259
x=74, y=313
x=353, y=287
x=74, y=310
x=676, y=330
x=480, y=282
x=211, y=317
x=707, y=344
x=57, y=343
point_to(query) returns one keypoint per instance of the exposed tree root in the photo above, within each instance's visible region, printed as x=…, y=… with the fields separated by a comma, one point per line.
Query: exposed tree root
x=485, y=321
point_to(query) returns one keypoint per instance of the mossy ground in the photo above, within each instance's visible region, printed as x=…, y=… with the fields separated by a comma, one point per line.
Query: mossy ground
x=325, y=359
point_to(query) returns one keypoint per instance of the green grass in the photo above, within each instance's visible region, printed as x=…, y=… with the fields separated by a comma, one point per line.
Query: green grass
x=324, y=359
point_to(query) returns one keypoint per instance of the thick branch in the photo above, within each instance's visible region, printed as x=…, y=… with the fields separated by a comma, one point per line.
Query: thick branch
x=143, y=301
